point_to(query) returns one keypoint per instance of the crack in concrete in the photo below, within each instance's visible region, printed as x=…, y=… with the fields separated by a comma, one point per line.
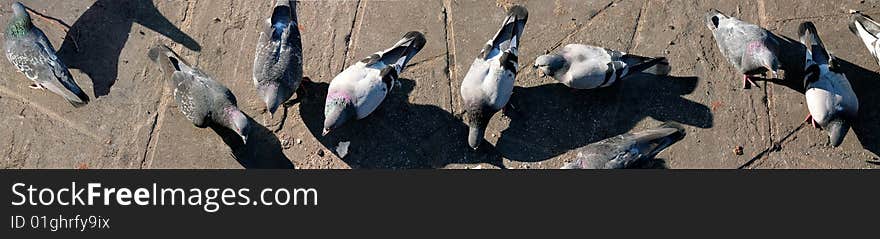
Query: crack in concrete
x=450, y=50
x=634, y=39
x=147, y=151
x=349, y=41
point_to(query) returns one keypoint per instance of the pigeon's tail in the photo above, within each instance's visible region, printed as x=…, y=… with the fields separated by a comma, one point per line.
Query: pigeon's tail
x=78, y=97
x=167, y=60
x=404, y=50
x=639, y=64
x=508, y=37
x=653, y=141
x=865, y=28
x=282, y=15
x=837, y=130
x=816, y=51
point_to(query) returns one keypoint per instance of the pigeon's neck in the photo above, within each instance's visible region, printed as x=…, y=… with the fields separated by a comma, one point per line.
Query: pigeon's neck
x=19, y=26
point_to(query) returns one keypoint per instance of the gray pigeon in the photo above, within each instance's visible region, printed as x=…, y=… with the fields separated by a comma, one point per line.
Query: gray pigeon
x=278, y=62
x=360, y=88
x=830, y=98
x=489, y=83
x=751, y=49
x=32, y=54
x=627, y=150
x=199, y=97
x=589, y=67
x=869, y=31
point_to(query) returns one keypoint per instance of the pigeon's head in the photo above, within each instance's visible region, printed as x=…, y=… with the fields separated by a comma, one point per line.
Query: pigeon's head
x=477, y=119
x=549, y=65
x=237, y=121
x=20, y=22
x=713, y=19
x=338, y=109
x=837, y=130
x=19, y=9
x=270, y=95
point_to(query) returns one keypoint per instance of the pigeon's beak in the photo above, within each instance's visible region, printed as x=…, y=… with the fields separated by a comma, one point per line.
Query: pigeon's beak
x=325, y=132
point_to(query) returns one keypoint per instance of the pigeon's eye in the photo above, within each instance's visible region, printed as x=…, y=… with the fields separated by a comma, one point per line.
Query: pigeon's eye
x=715, y=21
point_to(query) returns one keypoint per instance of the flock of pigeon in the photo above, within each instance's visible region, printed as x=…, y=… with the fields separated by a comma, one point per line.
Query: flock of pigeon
x=486, y=88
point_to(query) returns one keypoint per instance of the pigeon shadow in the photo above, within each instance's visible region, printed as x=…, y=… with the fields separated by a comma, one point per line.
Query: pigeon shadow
x=551, y=119
x=95, y=41
x=864, y=82
x=397, y=135
x=262, y=151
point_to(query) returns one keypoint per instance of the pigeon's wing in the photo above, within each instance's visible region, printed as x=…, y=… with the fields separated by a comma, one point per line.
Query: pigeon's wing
x=590, y=67
x=57, y=77
x=192, y=96
x=471, y=86
x=625, y=151
x=372, y=89
x=398, y=55
x=279, y=48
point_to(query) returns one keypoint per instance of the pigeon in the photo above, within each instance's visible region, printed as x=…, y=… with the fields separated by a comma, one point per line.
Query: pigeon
x=360, y=88
x=589, y=67
x=628, y=150
x=200, y=98
x=488, y=84
x=32, y=54
x=751, y=49
x=869, y=31
x=830, y=98
x=278, y=62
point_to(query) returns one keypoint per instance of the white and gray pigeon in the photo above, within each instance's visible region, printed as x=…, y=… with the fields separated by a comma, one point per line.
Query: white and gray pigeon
x=830, y=98
x=869, y=31
x=200, y=98
x=627, y=150
x=751, y=49
x=360, y=88
x=488, y=84
x=278, y=63
x=32, y=54
x=588, y=67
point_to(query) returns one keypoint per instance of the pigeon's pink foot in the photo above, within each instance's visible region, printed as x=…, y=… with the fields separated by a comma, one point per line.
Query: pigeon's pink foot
x=812, y=122
x=747, y=82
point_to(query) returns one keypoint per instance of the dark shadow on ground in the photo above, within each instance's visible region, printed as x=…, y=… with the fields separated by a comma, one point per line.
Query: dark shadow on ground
x=865, y=83
x=398, y=135
x=262, y=151
x=551, y=119
x=96, y=39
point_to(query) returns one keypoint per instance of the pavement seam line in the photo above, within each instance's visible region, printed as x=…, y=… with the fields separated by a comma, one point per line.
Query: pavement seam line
x=349, y=40
x=450, y=55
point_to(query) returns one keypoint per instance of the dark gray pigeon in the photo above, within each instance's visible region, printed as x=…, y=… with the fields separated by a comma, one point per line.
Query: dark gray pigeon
x=830, y=98
x=199, y=97
x=589, y=67
x=278, y=62
x=869, y=31
x=488, y=84
x=751, y=49
x=360, y=88
x=32, y=54
x=627, y=150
